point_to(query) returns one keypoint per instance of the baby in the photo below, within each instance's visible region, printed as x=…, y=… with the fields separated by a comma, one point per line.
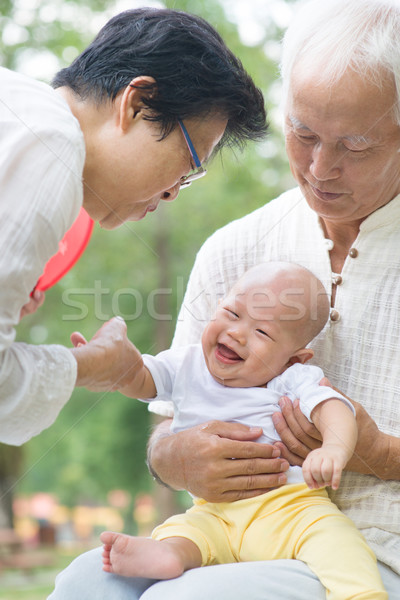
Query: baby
x=252, y=353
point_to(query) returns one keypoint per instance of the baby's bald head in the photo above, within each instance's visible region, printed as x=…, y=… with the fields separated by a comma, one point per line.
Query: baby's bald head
x=299, y=295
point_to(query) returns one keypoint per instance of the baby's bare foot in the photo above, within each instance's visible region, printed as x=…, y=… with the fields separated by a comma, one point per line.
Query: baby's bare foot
x=139, y=557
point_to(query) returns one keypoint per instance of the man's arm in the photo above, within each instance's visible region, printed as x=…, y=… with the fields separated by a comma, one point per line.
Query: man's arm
x=200, y=461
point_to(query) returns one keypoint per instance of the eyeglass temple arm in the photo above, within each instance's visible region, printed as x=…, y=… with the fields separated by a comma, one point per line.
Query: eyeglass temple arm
x=190, y=144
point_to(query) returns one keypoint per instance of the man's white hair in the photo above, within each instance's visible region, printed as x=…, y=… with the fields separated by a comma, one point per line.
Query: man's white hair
x=331, y=36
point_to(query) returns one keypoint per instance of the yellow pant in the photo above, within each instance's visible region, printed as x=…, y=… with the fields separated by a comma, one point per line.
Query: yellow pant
x=290, y=522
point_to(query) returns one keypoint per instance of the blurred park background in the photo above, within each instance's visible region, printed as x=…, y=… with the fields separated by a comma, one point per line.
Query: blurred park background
x=87, y=472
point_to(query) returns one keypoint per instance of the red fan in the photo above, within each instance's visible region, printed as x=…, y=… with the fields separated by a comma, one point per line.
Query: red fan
x=70, y=249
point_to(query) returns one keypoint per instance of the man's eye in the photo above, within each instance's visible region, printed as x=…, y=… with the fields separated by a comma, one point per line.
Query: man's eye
x=307, y=139
x=357, y=150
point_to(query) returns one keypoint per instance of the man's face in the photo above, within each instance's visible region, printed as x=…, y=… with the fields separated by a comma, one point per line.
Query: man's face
x=343, y=145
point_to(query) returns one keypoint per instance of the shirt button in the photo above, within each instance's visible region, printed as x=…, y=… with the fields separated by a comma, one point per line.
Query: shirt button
x=329, y=245
x=353, y=252
x=337, y=279
x=335, y=315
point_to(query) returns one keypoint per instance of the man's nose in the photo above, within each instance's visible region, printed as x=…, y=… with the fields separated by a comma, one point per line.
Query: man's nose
x=325, y=163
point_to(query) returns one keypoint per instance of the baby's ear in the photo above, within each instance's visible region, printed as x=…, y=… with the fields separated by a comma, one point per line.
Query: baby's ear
x=301, y=356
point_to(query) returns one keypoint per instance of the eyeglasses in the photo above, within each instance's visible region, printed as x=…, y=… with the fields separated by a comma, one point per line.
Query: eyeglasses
x=186, y=180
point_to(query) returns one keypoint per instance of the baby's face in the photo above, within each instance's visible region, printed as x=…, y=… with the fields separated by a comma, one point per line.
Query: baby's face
x=250, y=340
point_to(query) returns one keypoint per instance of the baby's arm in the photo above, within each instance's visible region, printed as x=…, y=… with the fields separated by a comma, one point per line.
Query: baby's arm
x=337, y=425
x=142, y=384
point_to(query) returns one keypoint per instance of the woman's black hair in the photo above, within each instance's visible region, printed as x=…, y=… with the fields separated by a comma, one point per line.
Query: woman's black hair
x=195, y=73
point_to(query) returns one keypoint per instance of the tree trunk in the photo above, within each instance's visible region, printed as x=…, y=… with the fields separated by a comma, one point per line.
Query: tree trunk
x=10, y=465
x=6, y=497
x=165, y=499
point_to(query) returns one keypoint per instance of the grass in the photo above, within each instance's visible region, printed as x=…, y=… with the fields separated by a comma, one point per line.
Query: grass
x=36, y=584
x=30, y=593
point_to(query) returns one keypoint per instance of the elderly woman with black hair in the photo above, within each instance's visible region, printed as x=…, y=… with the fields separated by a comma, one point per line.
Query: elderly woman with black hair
x=130, y=121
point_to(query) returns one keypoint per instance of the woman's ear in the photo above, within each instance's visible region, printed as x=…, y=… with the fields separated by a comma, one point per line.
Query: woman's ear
x=131, y=104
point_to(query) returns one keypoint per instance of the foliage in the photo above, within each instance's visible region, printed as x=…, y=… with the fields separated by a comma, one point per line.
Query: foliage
x=98, y=442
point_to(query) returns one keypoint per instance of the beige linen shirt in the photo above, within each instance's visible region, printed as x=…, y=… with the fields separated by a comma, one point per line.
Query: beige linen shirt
x=359, y=348
x=42, y=155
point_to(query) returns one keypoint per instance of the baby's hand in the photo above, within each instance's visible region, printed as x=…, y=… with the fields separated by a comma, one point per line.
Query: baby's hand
x=323, y=467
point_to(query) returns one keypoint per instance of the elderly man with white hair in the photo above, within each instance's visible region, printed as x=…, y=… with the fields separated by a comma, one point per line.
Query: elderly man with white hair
x=341, y=76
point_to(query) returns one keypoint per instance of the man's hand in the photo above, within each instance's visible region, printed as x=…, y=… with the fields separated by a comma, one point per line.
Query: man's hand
x=217, y=461
x=300, y=437
x=109, y=361
x=34, y=303
x=372, y=452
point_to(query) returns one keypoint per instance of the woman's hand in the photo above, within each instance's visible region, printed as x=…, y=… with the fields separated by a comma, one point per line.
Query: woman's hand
x=109, y=361
x=34, y=303
x=217, y=461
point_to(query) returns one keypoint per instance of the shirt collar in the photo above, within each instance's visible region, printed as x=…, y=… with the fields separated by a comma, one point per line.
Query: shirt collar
x=389, y=214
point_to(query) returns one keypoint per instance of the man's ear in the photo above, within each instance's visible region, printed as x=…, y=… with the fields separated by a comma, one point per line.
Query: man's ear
x=131, y=104
x=301, y=356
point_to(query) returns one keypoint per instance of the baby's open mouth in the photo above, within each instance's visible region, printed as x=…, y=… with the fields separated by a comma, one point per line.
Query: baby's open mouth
x=227, y=355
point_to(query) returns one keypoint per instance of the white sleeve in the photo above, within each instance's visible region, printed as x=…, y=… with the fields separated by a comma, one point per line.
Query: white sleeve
x=302, y=382
x=41, y=193
x=163, y=369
